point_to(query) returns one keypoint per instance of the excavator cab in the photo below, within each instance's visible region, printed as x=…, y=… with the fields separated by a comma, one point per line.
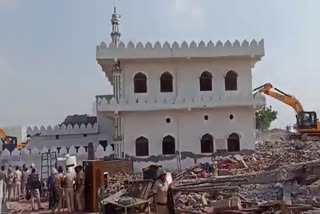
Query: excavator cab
x=10, y=139
x=307, y=120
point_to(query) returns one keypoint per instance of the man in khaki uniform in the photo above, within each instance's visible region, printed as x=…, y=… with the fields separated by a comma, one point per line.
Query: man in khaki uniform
x=160, y=191
x=24, y=180
x=3, y=176
x=58, y=181
x=80, y=184
x=69, y=180
x=10, y=178
x=17, y=183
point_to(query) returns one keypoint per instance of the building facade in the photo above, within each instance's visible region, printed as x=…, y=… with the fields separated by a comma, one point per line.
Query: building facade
x=175, y=104
x=76, y=131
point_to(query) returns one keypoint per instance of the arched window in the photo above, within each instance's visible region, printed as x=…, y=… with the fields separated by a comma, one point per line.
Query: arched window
x=206, y=81
x=166, y=82
x=234, y=143
x=207, y=143
x=168, y=145
x=142, y=146
x=140, y=83
x=231, y=82
x=104, y=144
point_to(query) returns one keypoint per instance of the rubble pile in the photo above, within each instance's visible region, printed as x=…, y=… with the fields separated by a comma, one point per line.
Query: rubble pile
x=119, y=181
x=205, y=203
x=261, y=193
x=277, y=175
x=272, y=151
x=199, y=171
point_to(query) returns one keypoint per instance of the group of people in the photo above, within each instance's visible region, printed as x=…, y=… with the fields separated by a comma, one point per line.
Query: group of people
x=26, y=184
x=69, y=186
x=14, y=182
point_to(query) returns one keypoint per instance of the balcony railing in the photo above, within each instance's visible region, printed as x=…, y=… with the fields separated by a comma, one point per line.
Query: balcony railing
x=108, y=102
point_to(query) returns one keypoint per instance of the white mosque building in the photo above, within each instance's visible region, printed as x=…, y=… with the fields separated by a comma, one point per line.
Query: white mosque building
x=180, y=103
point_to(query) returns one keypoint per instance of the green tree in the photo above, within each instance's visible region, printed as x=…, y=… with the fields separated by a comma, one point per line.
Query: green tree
x=264, y=118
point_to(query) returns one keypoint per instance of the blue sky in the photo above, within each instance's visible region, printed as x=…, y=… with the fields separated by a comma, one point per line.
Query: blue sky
x=47, y=48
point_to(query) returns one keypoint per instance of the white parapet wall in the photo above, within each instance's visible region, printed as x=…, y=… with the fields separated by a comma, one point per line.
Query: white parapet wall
x=63, y=130
x=174, y=50
x=32, y=156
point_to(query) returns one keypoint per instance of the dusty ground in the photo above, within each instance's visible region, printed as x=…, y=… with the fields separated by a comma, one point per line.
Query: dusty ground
x=25, y=208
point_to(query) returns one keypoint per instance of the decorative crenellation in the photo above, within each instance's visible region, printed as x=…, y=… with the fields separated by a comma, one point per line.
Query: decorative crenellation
x=63, y=130
x=236, y=44
x=143, y=103
x=31, y=155
x=201, y=49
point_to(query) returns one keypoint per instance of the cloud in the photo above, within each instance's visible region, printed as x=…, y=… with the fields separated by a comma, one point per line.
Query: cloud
x=8, y=4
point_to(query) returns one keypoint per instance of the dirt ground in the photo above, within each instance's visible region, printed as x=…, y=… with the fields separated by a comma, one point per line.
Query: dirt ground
x=25, y=208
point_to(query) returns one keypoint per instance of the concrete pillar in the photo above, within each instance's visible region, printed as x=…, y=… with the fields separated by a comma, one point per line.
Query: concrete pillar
x=116, y=71
x=287, y=186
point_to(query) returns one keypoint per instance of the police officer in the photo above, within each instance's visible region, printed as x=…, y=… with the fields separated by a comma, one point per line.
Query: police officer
x=69, y=180
x=3, y=177
x=10, y=178
x=17, y=183
x=80, y=185
x=160, y=191
x=58, y=184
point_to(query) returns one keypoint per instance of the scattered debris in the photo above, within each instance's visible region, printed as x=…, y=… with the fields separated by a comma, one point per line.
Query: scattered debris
x=282, y=176
x=119, y=181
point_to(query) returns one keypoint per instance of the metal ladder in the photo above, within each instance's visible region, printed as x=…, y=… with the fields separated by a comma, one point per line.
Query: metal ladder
x=48, y=160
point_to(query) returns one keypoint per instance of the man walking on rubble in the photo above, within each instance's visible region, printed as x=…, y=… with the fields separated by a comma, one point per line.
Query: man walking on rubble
x=17, y=183
x=160, y=191
x=80, y=184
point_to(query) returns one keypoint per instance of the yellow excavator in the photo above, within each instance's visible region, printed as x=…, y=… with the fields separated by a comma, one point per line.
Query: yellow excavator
x=308, y=126
x=10, y=140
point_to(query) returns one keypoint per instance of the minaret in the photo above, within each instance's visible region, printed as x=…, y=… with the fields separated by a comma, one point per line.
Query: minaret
x=116, y=73
x=115, y=34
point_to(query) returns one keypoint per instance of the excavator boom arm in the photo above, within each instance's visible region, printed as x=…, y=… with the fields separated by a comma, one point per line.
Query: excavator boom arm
x=281, y=96
x=3, y=136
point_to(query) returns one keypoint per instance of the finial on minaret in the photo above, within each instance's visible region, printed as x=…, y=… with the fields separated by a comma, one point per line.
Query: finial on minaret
x=115, y=34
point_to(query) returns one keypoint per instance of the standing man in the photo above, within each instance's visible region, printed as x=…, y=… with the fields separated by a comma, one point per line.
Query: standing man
x=3, y=176
x=10, y=178
x=17, y=183
x=53, y=195
x=58, y=183
x=69, y=190
x=33, y=185
x=160, y=191
x=80, y=185
x=24, y=179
